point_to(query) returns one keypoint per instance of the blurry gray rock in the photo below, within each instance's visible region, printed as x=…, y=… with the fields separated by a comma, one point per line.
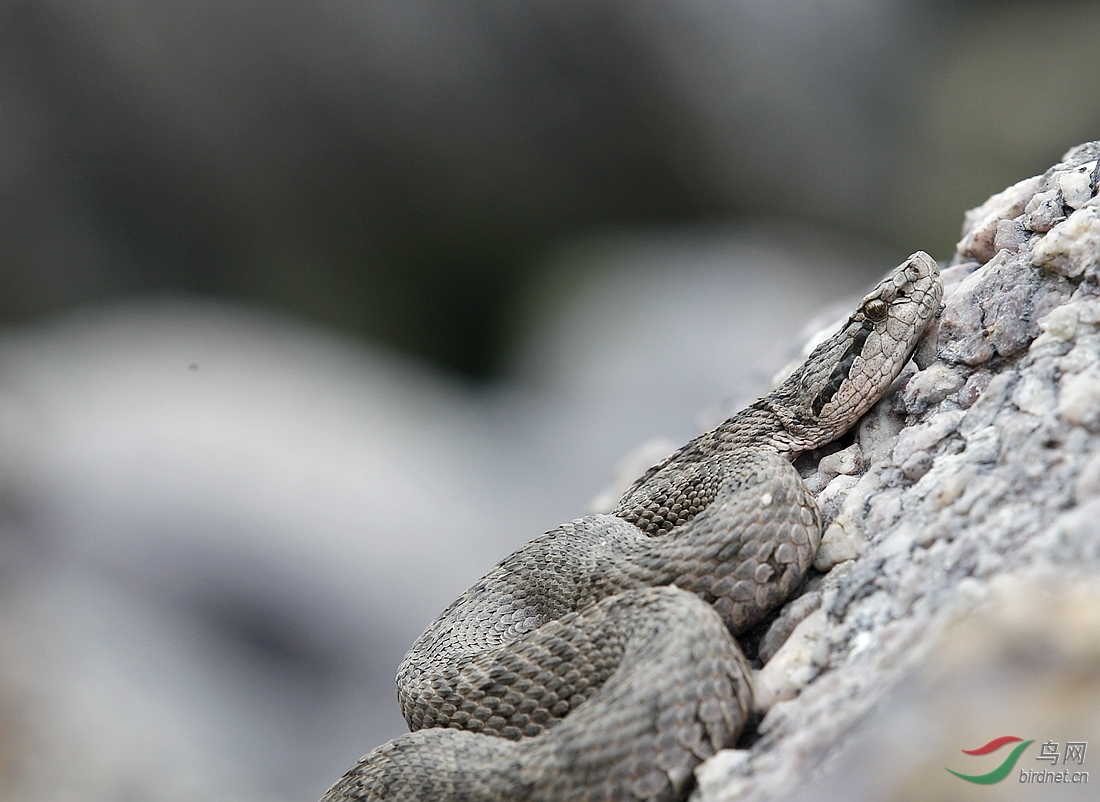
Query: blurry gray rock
x=214, y=522
x=391, y=169
x=396, y=169
x=969, y=610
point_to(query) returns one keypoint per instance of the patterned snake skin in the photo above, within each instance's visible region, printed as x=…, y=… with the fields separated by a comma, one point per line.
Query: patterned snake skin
x=596, y=663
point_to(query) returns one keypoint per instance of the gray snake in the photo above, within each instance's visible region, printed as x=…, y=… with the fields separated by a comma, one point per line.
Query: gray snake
x=600, y=654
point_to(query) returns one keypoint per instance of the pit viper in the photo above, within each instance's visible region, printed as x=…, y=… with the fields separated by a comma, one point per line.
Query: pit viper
x=598, y=662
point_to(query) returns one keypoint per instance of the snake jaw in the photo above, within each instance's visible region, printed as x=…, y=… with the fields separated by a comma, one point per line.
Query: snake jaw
x=847, y=373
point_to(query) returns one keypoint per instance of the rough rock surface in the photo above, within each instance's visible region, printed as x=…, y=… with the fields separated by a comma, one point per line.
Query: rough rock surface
x=980, y=480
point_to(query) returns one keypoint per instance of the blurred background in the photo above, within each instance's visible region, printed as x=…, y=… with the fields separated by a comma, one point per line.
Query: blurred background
x=312, y=311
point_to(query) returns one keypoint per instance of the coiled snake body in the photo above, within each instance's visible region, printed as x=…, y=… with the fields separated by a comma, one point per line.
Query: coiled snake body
x=599, y=655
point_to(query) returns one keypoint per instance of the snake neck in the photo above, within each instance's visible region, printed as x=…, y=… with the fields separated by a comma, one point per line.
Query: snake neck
x=763, y=428
x=783, y=433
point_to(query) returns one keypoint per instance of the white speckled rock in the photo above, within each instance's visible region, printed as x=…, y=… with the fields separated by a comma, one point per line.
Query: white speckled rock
x=983, y=466
x=1072, y=247
x=837, y=545
x=848, y=461
x=1079, y=402
x=788, y=671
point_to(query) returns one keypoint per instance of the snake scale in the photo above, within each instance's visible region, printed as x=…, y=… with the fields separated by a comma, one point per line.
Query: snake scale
x=598, y=661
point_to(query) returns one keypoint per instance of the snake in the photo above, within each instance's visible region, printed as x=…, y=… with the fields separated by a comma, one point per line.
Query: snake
x=600, y=661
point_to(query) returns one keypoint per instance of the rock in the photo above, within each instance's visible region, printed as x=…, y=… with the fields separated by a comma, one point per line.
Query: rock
x=915, y=446
x=837, y=545
x=1059, y=325
x=983, y=445
x=878, y=431
x=1034, y=394
x=930, y=386
x=789, y=618
x=963, y=566
x=849, y=520
x=1011, y=235
x=717, y=776
x=980, y=224
x=816, y=482
x=1045, y=210
x=1088, y=481
x=847, y=461
x=1072, y=247
x=1078, y=185
x=831, y=498
x=1079, y=402
x=791, y=667
x=974, y=387
x=954, y=275
x=1031, y=640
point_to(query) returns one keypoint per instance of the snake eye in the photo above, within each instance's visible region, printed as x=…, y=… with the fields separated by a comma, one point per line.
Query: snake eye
x=875, y=309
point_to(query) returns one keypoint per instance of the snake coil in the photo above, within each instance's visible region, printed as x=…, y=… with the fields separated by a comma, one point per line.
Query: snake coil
x=598, y=661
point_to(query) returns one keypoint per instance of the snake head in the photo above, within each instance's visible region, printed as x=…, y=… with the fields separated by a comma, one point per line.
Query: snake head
x=848, y=372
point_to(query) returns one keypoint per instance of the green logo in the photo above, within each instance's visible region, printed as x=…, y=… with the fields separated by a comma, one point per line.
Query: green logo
x=1002, y=770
